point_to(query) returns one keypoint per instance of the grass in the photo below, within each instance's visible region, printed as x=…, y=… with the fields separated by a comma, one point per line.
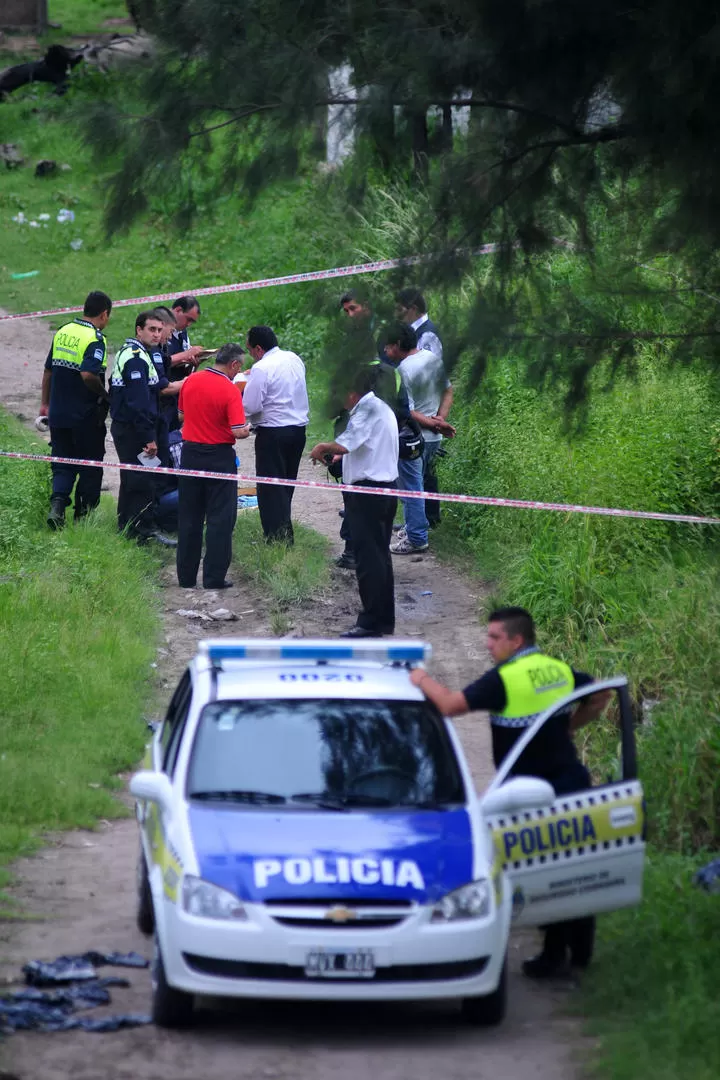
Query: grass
x=287, y=576
x=78, y=631
x=651, y=997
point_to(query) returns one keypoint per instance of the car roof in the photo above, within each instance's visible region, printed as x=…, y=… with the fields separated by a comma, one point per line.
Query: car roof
x=281, y=668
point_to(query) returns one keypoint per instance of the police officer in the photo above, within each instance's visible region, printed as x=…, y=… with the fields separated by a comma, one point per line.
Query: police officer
x=74, y=399
x=184, y=356
x=369, y=450
x=523, y=684
x=134, y=388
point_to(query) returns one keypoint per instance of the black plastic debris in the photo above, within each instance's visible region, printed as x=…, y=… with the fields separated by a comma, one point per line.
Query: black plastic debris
x=708, y=877
x=75, y=968
x=74, y=986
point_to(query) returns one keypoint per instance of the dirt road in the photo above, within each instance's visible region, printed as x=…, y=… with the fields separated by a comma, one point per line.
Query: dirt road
x=81, y=887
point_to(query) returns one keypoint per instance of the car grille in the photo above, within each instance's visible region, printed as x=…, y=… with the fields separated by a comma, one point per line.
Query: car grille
x=242, y=969
x=352, y=914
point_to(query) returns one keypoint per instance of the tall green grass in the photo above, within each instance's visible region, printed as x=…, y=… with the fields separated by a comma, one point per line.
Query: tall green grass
x=78, y=631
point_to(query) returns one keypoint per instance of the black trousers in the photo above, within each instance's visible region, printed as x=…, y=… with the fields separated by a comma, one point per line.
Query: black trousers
x=136, y=500
x=576, y=935
x=206, y=503
x=345, y=528
x=277, y=453
x=370, y=519
x=84, y=441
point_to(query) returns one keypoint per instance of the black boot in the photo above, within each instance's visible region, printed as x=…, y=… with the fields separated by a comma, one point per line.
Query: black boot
x=56, y=517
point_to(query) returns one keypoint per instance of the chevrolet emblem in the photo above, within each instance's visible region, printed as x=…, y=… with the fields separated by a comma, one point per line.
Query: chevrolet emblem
x=340, y=914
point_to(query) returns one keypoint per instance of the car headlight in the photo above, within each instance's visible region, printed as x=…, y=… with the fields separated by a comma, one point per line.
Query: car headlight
x=470, y=902
x=209, y=901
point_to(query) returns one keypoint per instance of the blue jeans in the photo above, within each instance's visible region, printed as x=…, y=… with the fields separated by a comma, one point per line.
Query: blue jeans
x=430, y=483
x=410, y=477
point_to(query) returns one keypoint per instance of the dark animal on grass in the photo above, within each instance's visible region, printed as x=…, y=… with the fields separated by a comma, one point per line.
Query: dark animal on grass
x=53, y=68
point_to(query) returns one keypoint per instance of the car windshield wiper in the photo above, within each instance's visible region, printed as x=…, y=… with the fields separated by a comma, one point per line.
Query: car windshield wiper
x=341, y=800
x=240, y=796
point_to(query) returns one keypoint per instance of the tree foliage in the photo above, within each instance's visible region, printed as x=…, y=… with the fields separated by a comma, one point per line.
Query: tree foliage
x=593, y=123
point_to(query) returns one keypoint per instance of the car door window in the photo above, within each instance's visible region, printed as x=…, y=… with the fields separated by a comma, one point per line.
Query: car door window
x=175, y=723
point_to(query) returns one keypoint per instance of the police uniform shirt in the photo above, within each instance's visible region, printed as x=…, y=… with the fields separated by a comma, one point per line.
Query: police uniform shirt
x=276, y=394
x=427, y=338
x=371, y=441
x=551, y=751
x=71, y=401
x=179, y=342
x=134, y=399
x=424, y=375
x=161, y=363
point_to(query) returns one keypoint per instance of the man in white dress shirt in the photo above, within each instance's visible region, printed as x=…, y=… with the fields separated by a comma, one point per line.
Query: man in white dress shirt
x=369, y=450
x=276, y=404
x=410, y=307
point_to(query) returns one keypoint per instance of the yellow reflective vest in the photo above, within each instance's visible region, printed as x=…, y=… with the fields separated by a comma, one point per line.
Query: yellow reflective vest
x=533, y=682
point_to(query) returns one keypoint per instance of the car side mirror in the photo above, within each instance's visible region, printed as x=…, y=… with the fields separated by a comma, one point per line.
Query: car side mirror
x=520, y=793
x=152, y=787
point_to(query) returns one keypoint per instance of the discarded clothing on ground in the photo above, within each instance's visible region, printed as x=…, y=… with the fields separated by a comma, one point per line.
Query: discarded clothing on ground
x=708, y=877
x=77, y=987
x=76, y=968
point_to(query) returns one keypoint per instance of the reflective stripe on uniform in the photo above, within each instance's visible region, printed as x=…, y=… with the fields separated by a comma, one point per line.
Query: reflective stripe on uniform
x=133, y=348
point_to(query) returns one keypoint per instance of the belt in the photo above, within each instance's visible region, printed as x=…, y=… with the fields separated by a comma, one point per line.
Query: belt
x=376, y=483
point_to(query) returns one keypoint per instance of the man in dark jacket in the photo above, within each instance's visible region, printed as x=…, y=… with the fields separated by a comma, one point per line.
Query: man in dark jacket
x=134, y=389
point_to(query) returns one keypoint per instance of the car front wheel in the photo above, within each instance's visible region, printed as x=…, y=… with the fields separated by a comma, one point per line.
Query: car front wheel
x=171, y=1008
x=488, y=1010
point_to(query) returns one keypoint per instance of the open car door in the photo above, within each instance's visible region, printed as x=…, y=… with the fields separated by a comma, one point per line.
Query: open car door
x=568, y=856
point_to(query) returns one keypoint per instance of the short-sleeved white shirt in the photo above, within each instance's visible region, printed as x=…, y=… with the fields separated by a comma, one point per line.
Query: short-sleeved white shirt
x=371, y=441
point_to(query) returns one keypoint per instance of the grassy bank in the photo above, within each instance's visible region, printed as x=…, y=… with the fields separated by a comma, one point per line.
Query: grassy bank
x=78, y=631
x=622, y=596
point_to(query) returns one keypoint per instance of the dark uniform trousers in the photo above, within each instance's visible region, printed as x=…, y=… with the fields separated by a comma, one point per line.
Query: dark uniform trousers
x=577, y=935
x=86, y=440
x=212, y=503
x=277, y=453
x=137, y=489
x=370, y=520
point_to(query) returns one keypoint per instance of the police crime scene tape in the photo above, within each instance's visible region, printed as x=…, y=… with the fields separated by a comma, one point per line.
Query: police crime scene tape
x=260, y=283
x=324, y=485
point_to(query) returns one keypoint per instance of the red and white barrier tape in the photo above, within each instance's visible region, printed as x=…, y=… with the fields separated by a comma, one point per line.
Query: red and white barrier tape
x=324, y=485
x=261, y=283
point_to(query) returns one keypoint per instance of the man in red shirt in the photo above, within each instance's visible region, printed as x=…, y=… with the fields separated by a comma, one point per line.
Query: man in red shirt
x=212, y=415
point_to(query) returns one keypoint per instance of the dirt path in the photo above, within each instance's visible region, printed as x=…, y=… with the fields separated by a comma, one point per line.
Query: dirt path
x=82, y=885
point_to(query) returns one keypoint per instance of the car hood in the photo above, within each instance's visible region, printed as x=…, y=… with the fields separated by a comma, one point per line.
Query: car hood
x=379, y=855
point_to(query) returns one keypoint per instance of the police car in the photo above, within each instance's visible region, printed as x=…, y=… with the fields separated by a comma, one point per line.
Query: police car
x=310, y=829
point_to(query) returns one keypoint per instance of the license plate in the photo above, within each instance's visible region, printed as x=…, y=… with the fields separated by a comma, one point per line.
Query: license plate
x=359, y=964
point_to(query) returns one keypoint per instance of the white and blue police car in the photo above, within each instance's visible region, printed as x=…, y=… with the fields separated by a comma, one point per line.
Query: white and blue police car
x=310, y=829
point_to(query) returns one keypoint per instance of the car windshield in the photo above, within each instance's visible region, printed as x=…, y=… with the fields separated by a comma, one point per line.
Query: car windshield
x=327, y=754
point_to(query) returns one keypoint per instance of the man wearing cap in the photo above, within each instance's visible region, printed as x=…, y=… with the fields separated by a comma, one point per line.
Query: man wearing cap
x=74, y=399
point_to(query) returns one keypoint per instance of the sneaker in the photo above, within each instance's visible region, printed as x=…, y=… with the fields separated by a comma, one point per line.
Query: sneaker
x=402, y=546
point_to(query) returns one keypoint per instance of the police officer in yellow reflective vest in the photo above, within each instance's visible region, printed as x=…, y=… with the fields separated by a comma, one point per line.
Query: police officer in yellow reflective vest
x=134, y=405
x=523, y=684
x=74, y=399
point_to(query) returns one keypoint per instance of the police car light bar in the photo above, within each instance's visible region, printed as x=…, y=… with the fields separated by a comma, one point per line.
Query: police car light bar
x=221, y=650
